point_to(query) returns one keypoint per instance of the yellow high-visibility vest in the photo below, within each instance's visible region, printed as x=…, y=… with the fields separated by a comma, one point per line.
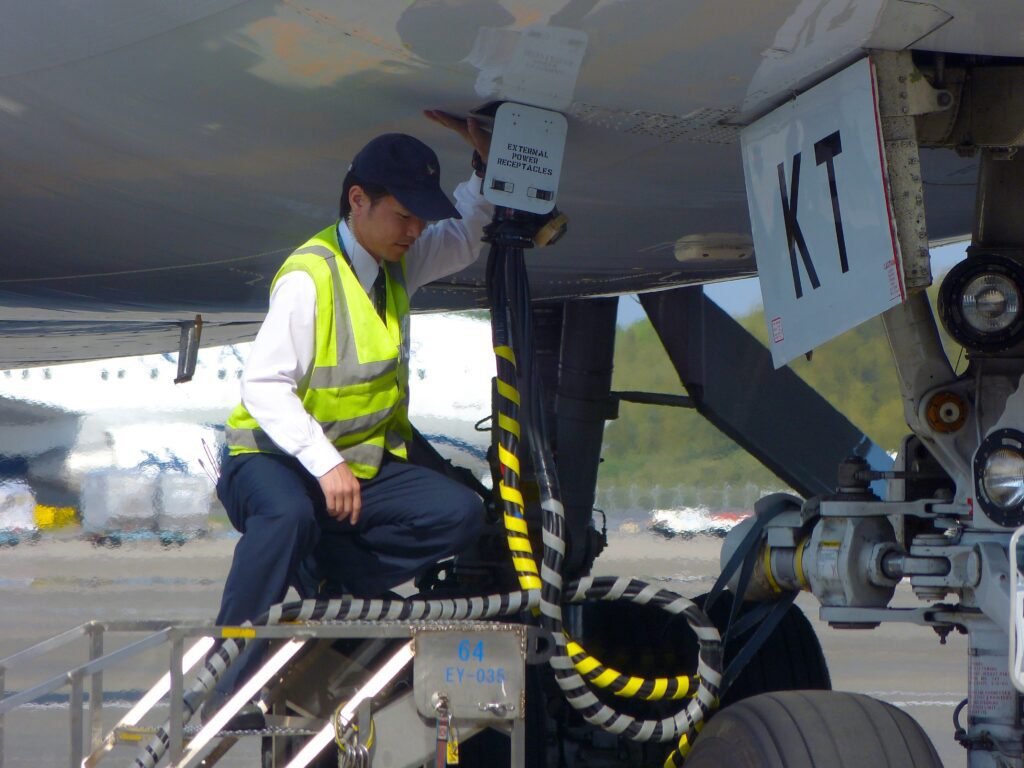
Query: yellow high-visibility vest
x=358, y=389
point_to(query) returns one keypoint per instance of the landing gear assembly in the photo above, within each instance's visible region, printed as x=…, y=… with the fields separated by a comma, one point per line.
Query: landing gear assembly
x=956, y=493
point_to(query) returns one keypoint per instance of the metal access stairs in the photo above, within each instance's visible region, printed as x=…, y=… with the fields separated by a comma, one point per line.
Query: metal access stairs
x=363, y=703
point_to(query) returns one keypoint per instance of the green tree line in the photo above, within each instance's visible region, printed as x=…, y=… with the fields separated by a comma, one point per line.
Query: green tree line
x=656, y=445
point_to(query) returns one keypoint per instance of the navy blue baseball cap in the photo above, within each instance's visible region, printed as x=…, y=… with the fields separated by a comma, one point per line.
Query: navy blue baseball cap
x=409, y=170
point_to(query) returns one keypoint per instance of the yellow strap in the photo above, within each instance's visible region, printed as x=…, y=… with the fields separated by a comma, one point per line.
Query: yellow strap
x=606, y=678
x=587, y=665
x=509, y=459
x=508, y=424
x=660, y=686
x=506, y=353
x=516, y=524
x=233, y=632
x=529, y=582
x=571, y=646
x=524, y=564
x=631, y=687
x=684, y=745
x=801, y=577
x=768, y=570
x=508, y=391
x=682, y=687
x=512, y=495
x=519, y=544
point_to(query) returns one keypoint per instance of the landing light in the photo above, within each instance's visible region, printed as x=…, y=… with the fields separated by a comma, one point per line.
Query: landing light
x=999, y=477
x=1003, y=477
x=981, y=302
x=990, y=303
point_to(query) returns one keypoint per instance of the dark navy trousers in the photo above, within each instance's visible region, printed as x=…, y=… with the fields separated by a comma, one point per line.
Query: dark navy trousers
x=410, y=518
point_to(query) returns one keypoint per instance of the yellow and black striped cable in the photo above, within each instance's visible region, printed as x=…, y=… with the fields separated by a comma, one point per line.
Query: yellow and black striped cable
x=630, y=686
x=514, y=506
x=678, y=755
x=524, y=562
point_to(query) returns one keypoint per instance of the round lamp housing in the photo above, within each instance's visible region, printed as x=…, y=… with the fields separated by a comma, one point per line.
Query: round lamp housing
x=981, y=302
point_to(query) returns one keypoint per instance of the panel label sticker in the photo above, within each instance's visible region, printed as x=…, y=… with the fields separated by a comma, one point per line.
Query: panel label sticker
x=544, y=67
x=525, y=161
x=473, y=665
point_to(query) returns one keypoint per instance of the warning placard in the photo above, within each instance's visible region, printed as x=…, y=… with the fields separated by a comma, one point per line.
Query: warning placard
x=526, y=158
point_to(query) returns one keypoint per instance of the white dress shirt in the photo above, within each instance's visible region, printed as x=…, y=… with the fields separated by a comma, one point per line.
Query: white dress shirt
x=282, y=354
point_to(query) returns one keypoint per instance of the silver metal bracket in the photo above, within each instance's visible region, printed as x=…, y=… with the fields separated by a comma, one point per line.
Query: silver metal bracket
x=919, y=508
x=933, y=616
x=903, y=92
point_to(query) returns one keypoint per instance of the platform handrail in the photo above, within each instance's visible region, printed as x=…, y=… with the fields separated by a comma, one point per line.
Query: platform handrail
x=9, y=703
x=82, y=630
x=51, y=644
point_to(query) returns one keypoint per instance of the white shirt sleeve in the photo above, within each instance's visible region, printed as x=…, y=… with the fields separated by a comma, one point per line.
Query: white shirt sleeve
x=280, y=358
x=447, y=246
x=282, y=354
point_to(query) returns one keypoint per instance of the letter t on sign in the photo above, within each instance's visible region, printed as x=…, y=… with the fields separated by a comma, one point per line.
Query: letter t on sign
x=825, y=151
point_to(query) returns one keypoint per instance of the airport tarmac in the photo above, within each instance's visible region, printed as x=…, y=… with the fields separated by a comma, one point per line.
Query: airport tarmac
x=58, y=583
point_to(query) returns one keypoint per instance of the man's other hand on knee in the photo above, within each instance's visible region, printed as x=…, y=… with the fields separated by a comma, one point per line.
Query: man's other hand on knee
x=341, y=492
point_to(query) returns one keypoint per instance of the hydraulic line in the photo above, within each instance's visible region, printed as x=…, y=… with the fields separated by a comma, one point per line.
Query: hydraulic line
x=541, y=592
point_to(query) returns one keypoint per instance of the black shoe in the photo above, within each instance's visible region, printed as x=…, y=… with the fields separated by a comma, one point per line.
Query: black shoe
x=249, y=718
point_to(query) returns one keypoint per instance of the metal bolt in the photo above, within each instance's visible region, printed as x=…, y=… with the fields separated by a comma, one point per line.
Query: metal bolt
x=440, y=702
x=496, y=708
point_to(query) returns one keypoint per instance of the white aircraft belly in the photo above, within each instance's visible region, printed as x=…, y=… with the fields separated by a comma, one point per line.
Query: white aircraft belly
x=169, y=157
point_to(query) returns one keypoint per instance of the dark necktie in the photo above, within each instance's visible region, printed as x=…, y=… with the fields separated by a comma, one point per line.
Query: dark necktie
x=380, y=296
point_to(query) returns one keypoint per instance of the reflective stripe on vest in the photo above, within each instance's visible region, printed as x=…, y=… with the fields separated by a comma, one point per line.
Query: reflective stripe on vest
x=376, y=392
x=342, y=374
x=364, y=455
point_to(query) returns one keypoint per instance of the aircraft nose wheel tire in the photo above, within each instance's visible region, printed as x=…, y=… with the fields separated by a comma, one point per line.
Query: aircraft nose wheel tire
x=812, y=729
x=790, y=659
